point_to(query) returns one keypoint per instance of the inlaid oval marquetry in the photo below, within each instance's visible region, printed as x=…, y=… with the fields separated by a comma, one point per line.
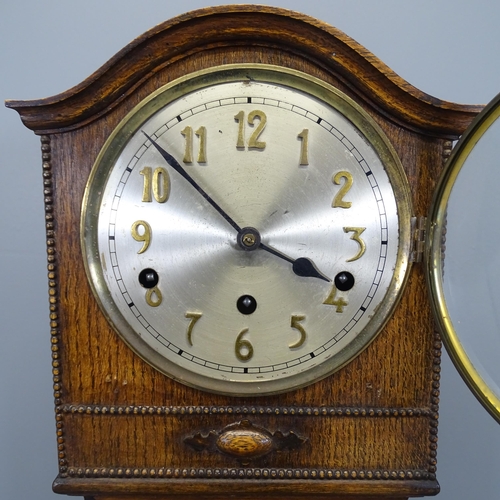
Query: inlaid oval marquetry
x=245, y=443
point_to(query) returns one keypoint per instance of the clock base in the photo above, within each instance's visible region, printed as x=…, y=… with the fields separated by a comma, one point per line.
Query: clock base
x=277, y=489
x=329, y=497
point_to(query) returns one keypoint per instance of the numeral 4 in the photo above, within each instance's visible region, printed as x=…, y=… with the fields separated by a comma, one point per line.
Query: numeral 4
x=332, y=300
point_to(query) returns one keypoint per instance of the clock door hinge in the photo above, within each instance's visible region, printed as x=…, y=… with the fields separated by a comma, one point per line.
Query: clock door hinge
x=417, y=243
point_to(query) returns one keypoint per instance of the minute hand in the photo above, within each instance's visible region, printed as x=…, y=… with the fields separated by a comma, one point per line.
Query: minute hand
x=180, y=170
x=301, y=267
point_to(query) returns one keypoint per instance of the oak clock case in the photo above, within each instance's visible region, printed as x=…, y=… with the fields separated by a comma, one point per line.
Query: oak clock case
x=246, y=229
x=235, y=209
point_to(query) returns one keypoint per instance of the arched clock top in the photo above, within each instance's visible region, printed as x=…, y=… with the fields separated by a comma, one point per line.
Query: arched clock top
x=272, y=29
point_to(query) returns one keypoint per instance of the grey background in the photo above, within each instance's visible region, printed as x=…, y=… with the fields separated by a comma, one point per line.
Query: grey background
x=449, y=49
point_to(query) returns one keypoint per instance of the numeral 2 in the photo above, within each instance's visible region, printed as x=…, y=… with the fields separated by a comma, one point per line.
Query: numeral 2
x=338, y=200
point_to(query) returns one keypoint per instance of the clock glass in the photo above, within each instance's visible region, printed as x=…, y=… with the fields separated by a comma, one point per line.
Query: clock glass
x=246, y=229
x=464, y=278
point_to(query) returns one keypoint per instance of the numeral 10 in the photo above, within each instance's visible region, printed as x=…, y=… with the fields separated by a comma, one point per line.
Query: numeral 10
x=156, y=185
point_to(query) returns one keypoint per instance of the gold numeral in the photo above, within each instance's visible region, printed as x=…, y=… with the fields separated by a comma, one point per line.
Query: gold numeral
x=295, y=323
x=356, y=236
x=188, y=150
x=147, y=173
x=144, y=236
x=304, y=147
x=153, y=297
x=338, y=200
x=240, y=118
x=243, y=348
x=339, y=303
x=194, y=317
x=201, y=133
x=156, y=184
x=253, y=142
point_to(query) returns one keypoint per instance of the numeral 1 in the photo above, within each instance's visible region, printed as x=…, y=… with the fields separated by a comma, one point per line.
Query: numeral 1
x=304, y=147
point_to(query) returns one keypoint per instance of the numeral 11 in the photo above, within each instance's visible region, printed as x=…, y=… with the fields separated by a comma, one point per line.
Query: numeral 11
x=201, y=133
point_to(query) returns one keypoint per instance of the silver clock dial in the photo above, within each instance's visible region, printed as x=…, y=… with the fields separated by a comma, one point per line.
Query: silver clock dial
x=194, y=293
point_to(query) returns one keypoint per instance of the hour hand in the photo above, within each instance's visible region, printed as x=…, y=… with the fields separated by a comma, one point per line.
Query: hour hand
x=301, y=267
x=249, y=239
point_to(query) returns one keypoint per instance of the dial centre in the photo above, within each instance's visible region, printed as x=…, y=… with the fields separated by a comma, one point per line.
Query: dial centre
x=248, y=238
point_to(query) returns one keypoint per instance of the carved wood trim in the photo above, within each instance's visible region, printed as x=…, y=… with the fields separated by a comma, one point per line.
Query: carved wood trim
x=142, y=473
x=54, y=299
x=324, y=411
x=230, y=26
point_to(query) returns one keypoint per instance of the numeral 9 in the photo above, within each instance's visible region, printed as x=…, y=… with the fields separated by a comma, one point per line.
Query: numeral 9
x=144, y=237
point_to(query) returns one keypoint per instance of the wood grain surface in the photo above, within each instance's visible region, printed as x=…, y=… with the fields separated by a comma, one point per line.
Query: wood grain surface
x=370, y=430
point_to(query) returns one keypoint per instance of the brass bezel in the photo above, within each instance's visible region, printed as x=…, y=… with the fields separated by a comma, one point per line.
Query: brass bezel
x=221, y=74
x=435, y=258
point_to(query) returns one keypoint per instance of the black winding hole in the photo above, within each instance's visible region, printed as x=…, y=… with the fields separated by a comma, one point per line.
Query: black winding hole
x=246, y=304
x=148, y=278
x=344, y=281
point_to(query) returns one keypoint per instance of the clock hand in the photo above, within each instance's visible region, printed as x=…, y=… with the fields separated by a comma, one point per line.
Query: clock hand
x=248, y=238
x=301, y=267
x=180, y=170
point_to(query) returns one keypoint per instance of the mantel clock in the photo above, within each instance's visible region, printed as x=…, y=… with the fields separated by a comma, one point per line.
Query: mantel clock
x=235, y=208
